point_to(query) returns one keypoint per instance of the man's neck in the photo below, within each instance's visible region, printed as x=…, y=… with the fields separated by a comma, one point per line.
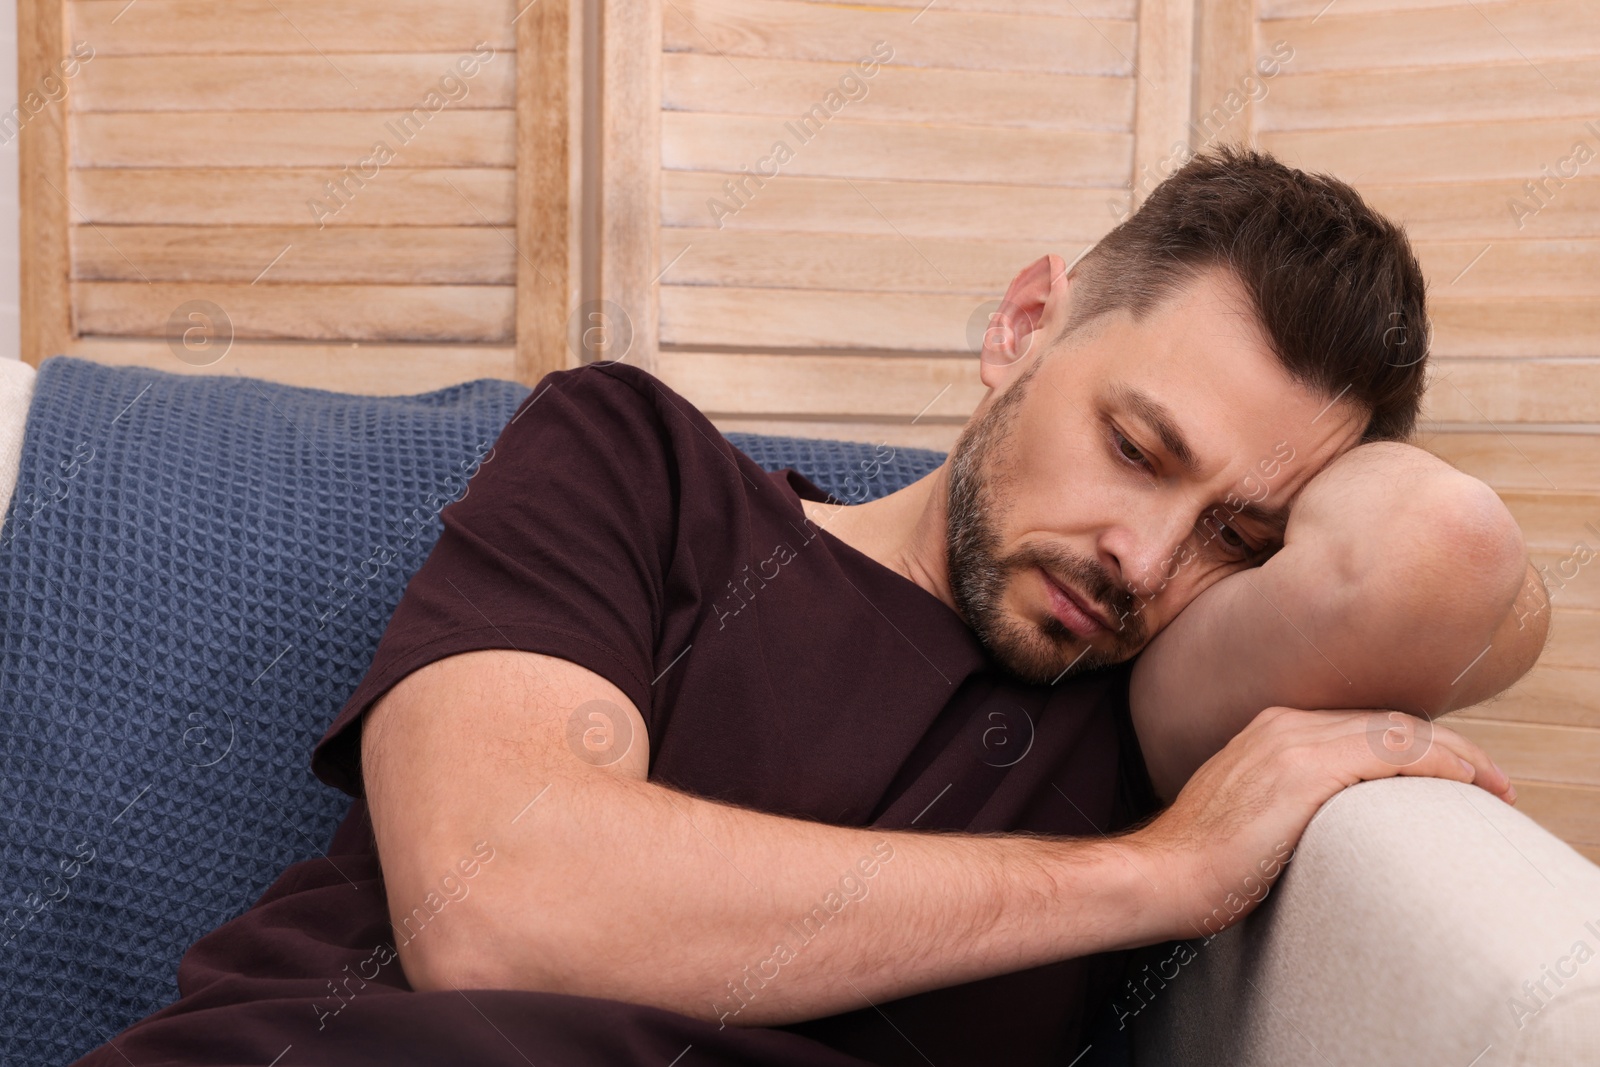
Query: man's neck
x=904, y=531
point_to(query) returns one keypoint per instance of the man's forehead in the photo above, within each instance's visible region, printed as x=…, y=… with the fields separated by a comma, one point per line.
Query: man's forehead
x=1201, y=374
x=1209, y=432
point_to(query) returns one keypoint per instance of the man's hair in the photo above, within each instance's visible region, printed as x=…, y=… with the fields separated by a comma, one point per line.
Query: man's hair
x=1334, y=284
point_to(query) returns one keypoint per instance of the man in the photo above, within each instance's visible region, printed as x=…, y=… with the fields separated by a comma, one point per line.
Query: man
x=666, y=757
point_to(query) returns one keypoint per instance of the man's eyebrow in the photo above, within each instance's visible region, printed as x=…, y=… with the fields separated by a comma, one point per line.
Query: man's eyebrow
x=1159, y=418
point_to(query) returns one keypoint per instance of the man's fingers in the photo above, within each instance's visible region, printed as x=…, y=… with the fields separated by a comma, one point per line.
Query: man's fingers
x=1488, y=774
x=1397, y=743
x=1442, y=760
x=1417, y=746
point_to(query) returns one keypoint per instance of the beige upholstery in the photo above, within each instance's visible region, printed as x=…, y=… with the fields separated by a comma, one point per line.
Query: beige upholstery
x=1421, y=922
x=16, y=392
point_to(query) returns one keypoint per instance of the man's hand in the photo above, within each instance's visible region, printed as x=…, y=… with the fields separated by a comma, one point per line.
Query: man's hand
x=1233, y=826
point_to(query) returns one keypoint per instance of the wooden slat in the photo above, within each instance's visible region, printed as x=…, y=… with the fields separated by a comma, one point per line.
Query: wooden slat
x=335, y=139
x=439, y=313
x=1479, y=92
x=1162, y=111
x=1521, y=327
x=915, y=208
x=550, y=149
x=1464, y=33
x=790, y=88
x=1575, y=642
x=1526, y=268
x=1547, y=694
x=1573, y=584
x=832, y=386
x=1571, y=812
x=816, y=318
x=843, y=148
x=381, y=370
x=149, y=26
x=848, y=261
x=630, y=196
x=1554, y=521
x=1095, y=9
x=289, y=82
x=1463, y=390
x=402, y=255
x=1459, y=210
x=1224, y=55
x=1513, y=390
x=42, y=189
x=939, y=436
x=1470, y=151
x=1567, y=461
x=466, y=196
x=1283, y=9
x=788, y=29
x=1530, y=751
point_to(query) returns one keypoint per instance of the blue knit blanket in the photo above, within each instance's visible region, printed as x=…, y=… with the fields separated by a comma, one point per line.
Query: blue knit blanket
x=194, y=574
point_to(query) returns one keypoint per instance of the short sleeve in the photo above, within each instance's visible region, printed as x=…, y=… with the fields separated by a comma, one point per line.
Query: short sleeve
x=559, y=546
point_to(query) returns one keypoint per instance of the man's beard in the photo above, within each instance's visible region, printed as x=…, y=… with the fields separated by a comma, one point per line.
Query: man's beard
x=1037, y=652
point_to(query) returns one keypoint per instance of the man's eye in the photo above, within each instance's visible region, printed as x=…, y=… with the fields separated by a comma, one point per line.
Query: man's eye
x=1129, y=450
x=1217, y=530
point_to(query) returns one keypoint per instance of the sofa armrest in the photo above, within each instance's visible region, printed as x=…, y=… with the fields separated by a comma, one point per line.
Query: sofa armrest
x=16, y=394
x=1421, y=922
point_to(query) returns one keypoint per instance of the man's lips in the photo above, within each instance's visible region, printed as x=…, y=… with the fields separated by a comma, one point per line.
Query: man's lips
x=1075, y=613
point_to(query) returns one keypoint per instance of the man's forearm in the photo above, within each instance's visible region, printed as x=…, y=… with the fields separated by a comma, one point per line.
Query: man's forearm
x=773, y=920
x=605, y=884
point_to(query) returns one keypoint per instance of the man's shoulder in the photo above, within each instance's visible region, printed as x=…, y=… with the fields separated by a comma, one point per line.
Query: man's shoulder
x=612, y=397
x=611, y=381
x=618, y=415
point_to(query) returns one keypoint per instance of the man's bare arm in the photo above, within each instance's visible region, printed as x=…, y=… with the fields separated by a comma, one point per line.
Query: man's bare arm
x=1403, y=583
x=605, y=884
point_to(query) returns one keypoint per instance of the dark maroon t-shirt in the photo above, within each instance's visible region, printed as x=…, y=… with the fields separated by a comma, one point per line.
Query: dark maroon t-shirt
x=775, y=667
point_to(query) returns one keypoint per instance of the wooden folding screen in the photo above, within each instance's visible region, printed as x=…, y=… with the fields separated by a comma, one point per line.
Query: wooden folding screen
x=798, y=213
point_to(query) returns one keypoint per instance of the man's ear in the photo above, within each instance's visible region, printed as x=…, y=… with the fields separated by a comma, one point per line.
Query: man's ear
x=1014, y=326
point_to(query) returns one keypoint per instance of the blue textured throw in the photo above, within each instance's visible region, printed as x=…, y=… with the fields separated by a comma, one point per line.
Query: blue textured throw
x=194, y=573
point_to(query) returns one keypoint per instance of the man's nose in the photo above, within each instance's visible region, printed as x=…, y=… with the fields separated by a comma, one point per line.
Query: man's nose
x=1147, y=557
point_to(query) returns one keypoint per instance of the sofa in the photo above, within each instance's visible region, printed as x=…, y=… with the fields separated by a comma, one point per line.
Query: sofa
x=196, y=569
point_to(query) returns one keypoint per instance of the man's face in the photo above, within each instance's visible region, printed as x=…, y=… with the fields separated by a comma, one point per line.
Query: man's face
x=1136, y=464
